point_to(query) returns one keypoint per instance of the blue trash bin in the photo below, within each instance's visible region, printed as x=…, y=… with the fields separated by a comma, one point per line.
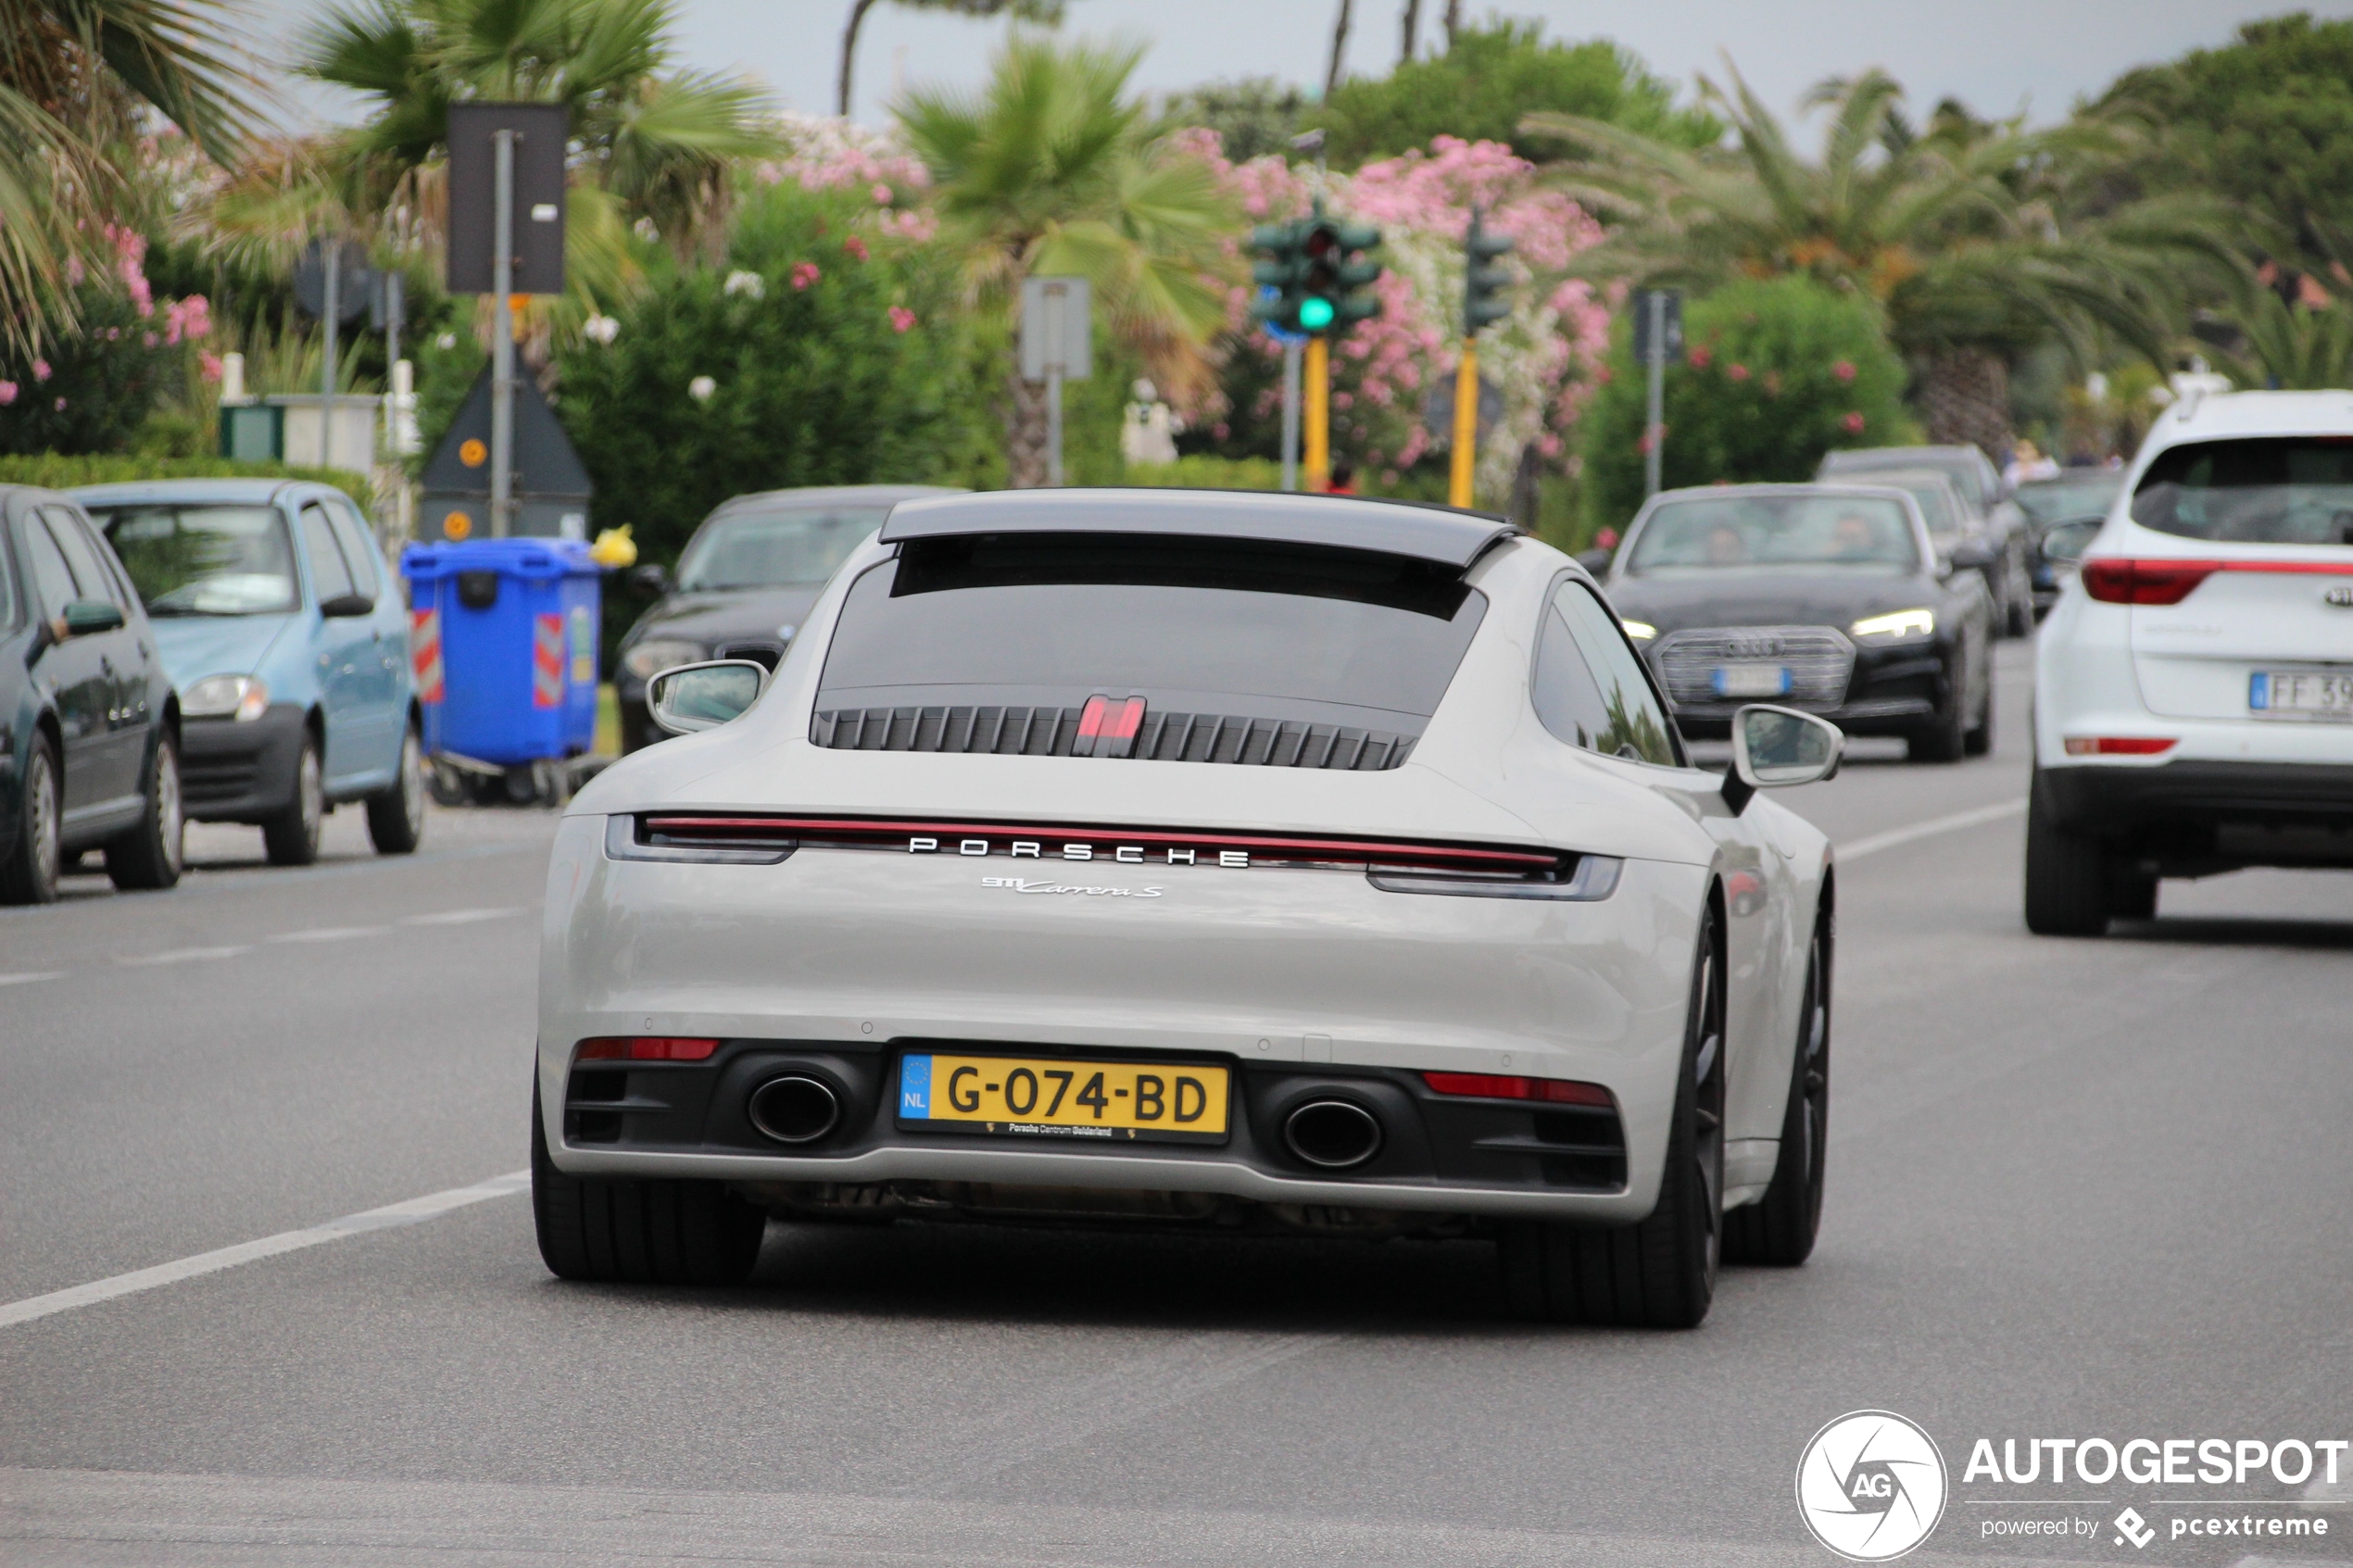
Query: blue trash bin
x=504, y=633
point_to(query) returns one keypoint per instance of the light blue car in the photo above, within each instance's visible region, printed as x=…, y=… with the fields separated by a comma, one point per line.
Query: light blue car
x=283, y=632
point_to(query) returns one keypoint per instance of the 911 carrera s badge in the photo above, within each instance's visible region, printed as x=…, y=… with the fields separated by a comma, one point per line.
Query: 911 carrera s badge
x=1024, y=885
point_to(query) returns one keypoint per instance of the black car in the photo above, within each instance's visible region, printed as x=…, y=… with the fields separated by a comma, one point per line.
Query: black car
x=89, y=722
x=2064, y=505
x=745, y=582
x=1829, y=598
x=1994, y=523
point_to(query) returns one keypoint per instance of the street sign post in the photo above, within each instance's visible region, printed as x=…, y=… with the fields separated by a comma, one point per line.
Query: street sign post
x=1055, y=347
x=331, y=283
x=1658, y=340
x=506, y=237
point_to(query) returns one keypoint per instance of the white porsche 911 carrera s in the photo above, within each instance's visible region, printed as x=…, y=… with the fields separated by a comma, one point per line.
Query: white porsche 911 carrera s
x=1195, y=860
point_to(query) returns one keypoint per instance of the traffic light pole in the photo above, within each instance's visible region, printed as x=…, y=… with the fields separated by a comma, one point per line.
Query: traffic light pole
x=502, y=336
x=1654, y=432
x=1466, y=452
x=1290, y=414
x=1319, y=415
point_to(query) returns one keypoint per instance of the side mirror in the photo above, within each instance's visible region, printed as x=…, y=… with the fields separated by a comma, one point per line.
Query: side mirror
x=344, y=606
x=2066, y=543
x=86, y=616
x=1775, y=748
x=650, y=578
x=1973, y=555
x=703, y=696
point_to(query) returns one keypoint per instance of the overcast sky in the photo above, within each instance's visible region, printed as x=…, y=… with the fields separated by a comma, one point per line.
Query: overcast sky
x=1996, y=54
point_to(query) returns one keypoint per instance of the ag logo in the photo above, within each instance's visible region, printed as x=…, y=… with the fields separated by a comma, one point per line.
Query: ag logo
x=1870, y=1485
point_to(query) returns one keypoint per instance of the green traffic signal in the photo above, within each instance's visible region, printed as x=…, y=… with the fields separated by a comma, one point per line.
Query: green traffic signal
x=1312, y=278
x=1483, y=282
x=1314, y=313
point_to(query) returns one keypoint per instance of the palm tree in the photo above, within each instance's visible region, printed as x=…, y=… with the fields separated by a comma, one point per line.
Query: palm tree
x=1974, y=238
x=659, y=144
x=1048, y=169
x=74, y=76
x=1047, y=13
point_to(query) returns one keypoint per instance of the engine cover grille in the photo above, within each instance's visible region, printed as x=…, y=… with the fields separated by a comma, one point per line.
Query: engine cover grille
x=1819, y=661
x=1165, y=737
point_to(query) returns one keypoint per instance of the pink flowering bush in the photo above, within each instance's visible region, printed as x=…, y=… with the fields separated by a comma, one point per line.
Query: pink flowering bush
x=1543, y=357
x=99, y=385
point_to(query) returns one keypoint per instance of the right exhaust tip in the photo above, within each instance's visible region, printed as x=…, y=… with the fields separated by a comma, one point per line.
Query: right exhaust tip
x=795, y=1108
x=1332, y=1134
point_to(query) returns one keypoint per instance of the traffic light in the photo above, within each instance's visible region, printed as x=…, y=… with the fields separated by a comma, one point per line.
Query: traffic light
x=1483, y=281
x=1320, y=279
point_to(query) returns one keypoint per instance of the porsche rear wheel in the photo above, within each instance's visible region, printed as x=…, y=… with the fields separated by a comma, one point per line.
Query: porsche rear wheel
x=1660, y=1272
x=1779, y=1228
x=627, y=1231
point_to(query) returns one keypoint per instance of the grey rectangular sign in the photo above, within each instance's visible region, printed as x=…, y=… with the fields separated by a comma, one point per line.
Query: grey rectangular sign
x=538, y=194
x=1054, y=333
x=1671, y=343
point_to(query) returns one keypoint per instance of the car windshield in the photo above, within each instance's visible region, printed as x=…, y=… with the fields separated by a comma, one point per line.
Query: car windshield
x=2050, y=500
x=1193, y=625
x=204, y=560
x=776, y=550
x=2271, y=490
x=1933, y=494
x=1881, y=462
x=1853, y=532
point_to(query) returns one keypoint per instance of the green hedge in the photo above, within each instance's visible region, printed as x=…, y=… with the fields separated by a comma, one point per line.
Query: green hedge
x=1200, y=472
x=53, y=471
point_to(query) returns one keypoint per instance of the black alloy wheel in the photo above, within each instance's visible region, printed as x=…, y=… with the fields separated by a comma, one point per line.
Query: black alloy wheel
x=1659, y=1272
x=619, y=1230
x=30, y=873
x=397, y=816
x=1779, y=1229
x=148, y=857
x=292, y=836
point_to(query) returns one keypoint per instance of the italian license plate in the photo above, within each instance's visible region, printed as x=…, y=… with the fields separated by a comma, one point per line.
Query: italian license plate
x=2301, y=694
x=1044, y=1097
x=1752, y=679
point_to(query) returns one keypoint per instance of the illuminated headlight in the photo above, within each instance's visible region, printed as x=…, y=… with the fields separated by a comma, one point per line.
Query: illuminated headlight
x=242, y=697
x=1897, y=624
x=655, y=654
x=1641, y=631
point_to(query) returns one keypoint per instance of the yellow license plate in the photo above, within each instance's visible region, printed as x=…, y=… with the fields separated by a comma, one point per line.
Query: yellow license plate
x=1037, y=1097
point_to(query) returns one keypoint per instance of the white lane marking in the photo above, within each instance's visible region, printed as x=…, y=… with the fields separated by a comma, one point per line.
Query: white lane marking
x=188, y=955
x=329, y=934
x=408, y=1212
x=1874, y=843
x=29, y=978
x=460, y=917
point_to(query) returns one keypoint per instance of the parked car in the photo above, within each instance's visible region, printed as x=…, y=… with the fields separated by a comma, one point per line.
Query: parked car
x=745, y=584
x=1208, y=861
x=287, y=640
x=2061, y=516
x=89, y=724
x=2193, y=690
x=1987, y=514
x=1831, y=598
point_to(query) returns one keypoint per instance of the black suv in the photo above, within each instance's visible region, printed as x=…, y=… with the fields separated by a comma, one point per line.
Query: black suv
x=89, y=722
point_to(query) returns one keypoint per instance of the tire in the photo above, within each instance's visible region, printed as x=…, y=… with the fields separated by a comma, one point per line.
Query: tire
x=2067, y=874
x=397, y=816
x=1660, y=1272
x=1778, y=1230
x=30, y=873
x=2131, y=894
x=292, y=837
x=1944, y=738
x=1978, y=740
x=148, y=858
x=623, y=1231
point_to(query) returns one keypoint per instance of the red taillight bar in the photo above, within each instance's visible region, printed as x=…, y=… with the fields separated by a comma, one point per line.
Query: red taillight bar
x=2128, y=581
x=1497, y=1086
x=644, y=1047
x=1360, y=850
x=2120, y=746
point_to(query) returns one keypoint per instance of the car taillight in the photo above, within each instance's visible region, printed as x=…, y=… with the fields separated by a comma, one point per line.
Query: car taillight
x=2120, y=746
x=2121, y=581
x=644, y=1047
x=1498, y=1085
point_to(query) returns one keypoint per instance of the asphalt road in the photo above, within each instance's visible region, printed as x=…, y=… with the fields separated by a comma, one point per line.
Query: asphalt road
x=2077, y=1189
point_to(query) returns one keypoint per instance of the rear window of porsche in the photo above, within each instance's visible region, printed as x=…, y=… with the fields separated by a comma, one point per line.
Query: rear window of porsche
x=2271, y=490
x=1283, y=632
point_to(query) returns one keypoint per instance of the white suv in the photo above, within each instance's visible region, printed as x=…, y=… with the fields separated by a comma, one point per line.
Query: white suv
x=2194, y=689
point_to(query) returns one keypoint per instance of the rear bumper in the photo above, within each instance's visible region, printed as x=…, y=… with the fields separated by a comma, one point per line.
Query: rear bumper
x=2197, y=816
x=234, y=772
